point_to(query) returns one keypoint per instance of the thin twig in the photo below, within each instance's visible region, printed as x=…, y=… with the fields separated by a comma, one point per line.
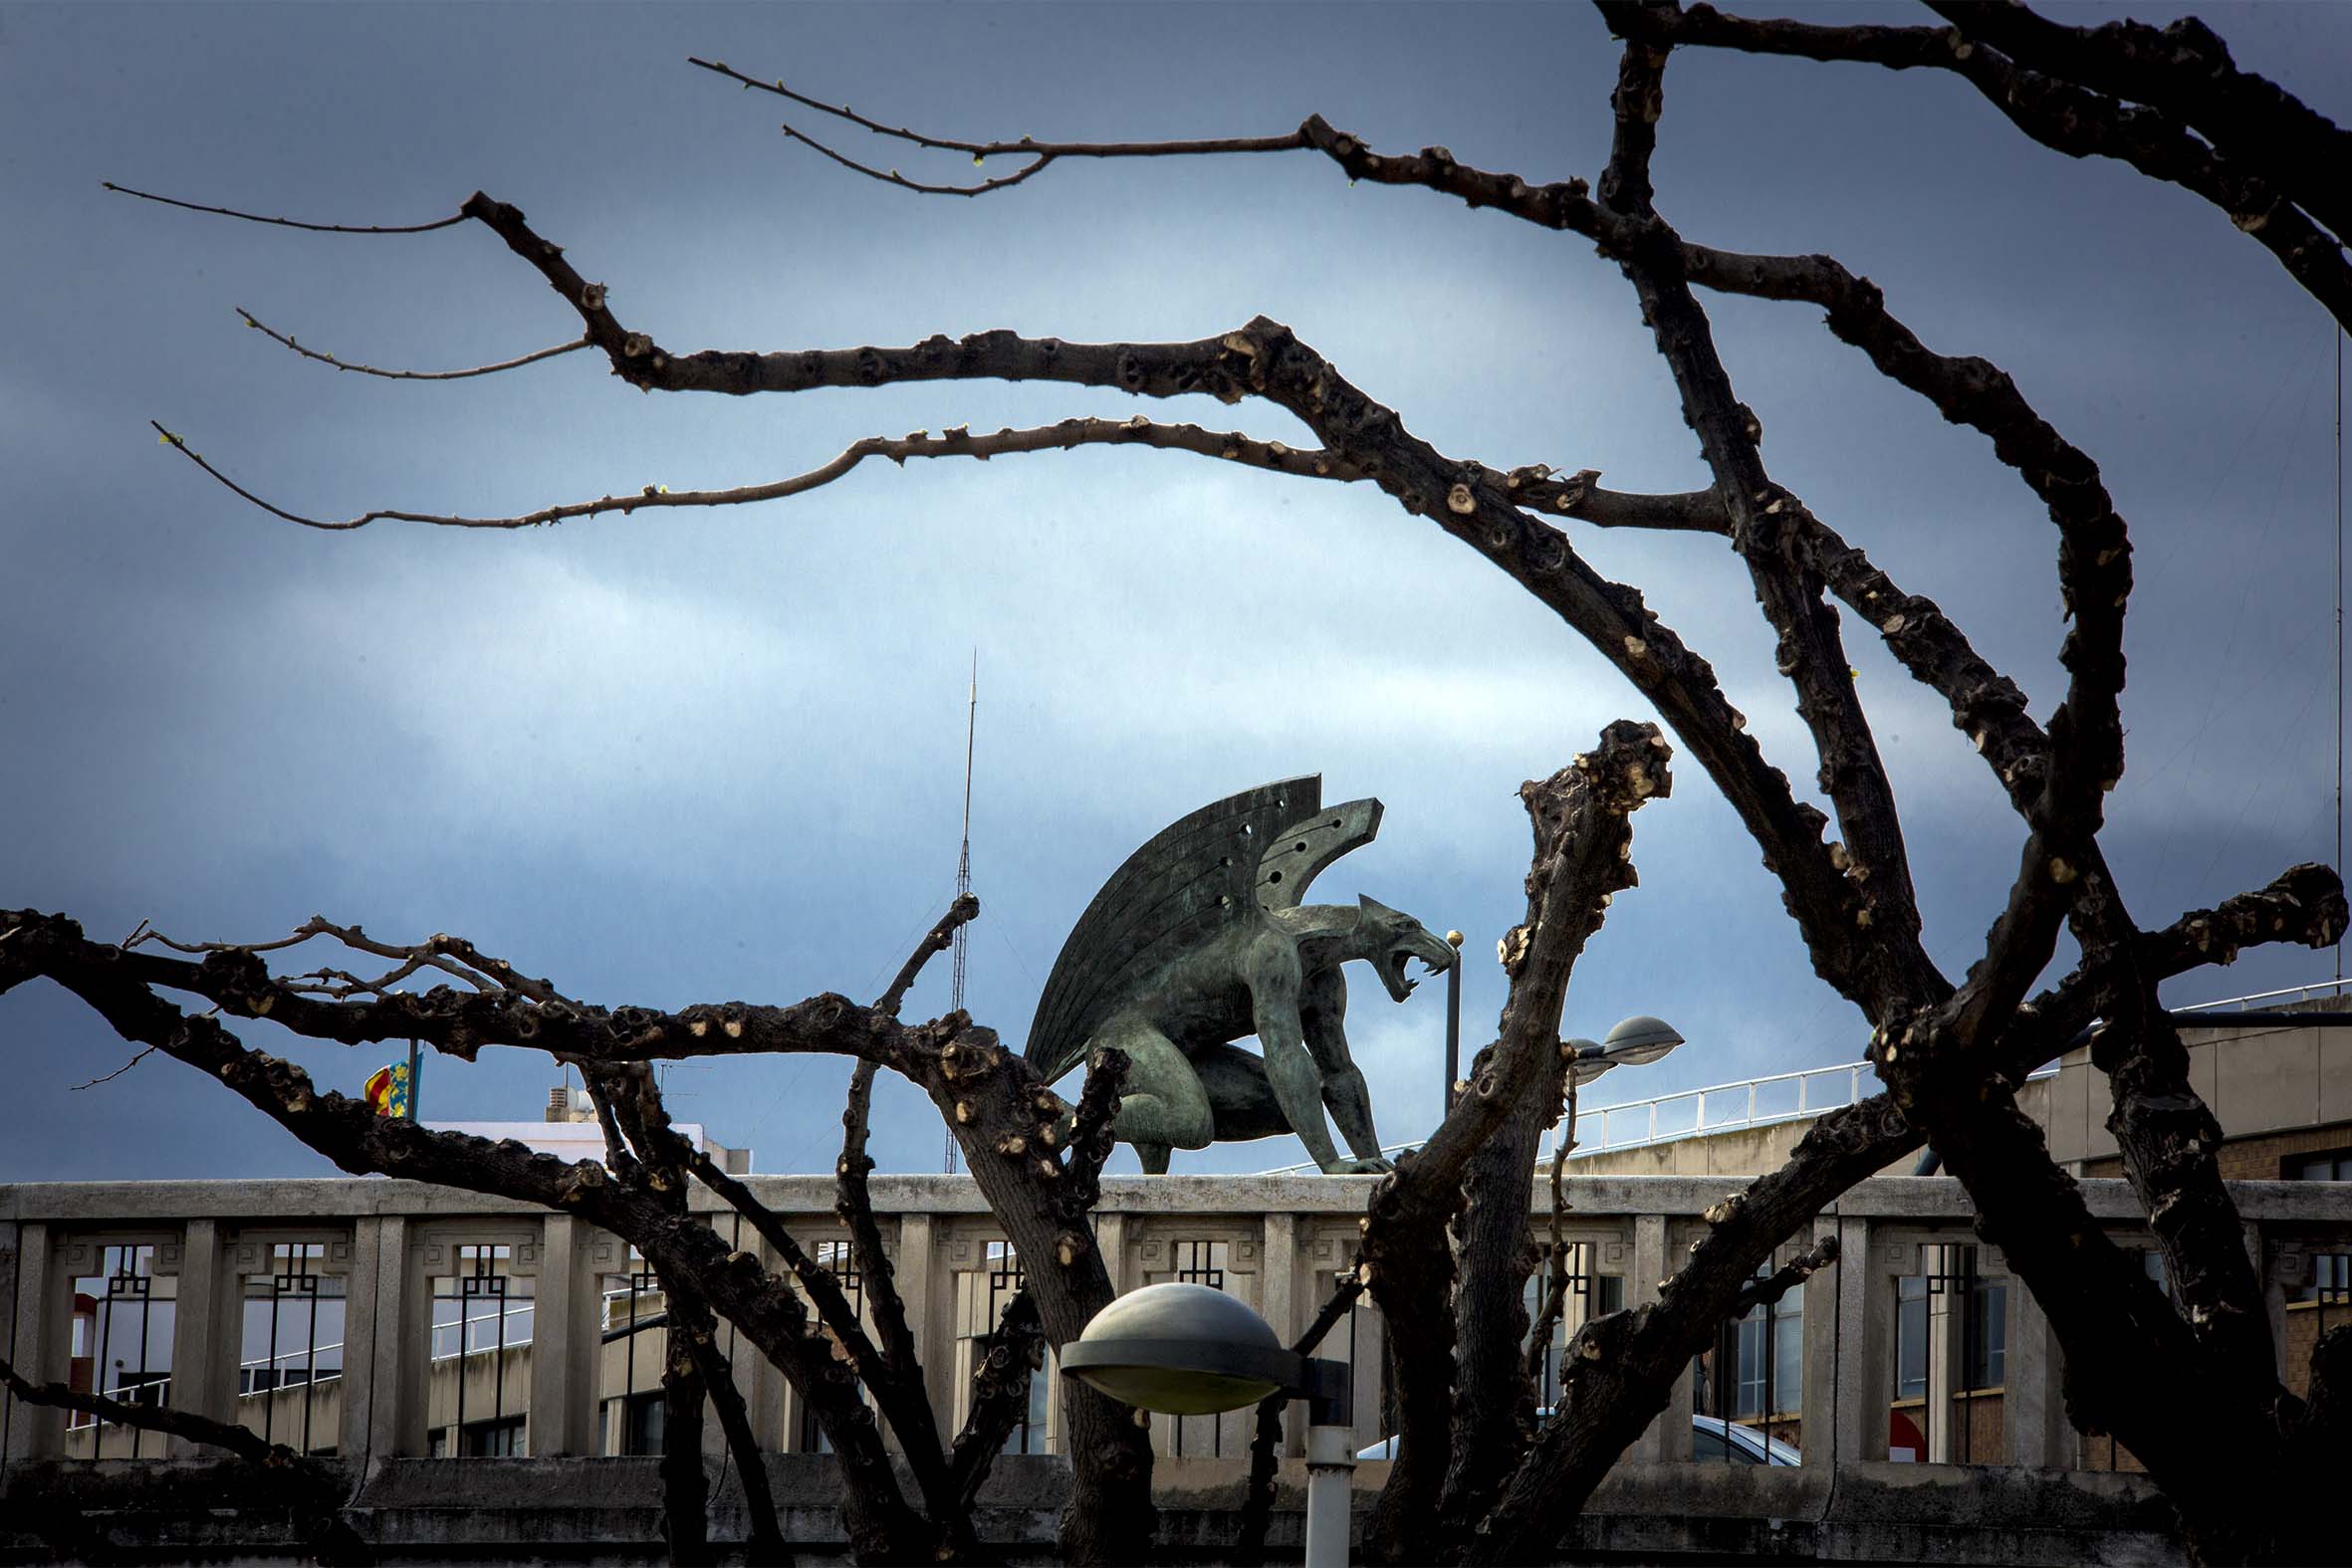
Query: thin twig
x=936, y=940
x=1555, y=1304
x=290, y=223
x=1040, y=153
x=532, y=358
x=454, y=956
x=956, y=441
x=919, y=187
x=118, y=1072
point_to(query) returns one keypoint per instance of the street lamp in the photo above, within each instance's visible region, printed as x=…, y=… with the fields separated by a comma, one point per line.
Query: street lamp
x=1635, y=1042
x=1187, y=1350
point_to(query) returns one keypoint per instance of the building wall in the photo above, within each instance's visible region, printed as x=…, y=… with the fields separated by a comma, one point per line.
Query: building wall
x=2261, y=1082
x=395, y=1248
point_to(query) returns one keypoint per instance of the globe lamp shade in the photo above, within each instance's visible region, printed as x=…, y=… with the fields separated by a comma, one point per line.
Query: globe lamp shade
x=1182, y=1350
x=1585, y=1061
x=1640, y=1040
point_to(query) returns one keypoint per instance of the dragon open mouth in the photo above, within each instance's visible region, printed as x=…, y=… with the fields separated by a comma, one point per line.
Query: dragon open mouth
x=1400, y=985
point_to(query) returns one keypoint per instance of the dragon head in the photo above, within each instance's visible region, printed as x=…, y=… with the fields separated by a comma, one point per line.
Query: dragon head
x=1389, y=939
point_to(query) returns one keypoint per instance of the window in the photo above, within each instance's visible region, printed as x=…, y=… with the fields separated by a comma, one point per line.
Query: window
x=645, y=1418
x=836, y=1260
x=1987, y=1334
x=292, y=1335
x=1769, y=1358
x=1910, y=1337
x=2331, y=1272
x=502, y=1439
x=1198, y=1436
x=481, y=1313
x=122, y=1348
x=1588, y=1295
x=1951, y=1344
x=983, y=1295
x=1753, y=1374
x=633, y=1312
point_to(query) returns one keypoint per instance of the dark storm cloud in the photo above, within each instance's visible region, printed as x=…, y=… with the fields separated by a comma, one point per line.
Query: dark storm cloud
x=683, y=757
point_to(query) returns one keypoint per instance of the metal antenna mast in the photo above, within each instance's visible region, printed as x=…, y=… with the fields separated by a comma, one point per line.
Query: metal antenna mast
x=964, y=870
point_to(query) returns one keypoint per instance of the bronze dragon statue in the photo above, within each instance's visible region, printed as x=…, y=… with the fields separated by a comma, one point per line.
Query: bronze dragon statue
x=1199, y=939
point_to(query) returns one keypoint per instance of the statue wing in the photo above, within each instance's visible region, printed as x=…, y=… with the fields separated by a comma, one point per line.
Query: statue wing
x=1191, y=880
x=1298, y=852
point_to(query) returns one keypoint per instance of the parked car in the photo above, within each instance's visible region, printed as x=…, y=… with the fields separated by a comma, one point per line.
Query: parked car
x=1712, y=1440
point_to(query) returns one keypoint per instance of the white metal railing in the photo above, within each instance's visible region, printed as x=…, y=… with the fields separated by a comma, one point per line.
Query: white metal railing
x=2297, y=993
x=1661, y=1118
x=1596, y=1128
x=289, y=1361
x=1719, y=1107
x=1656, y=1121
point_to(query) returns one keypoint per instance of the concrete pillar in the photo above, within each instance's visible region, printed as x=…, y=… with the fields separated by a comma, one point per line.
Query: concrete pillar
x=382, y=1402
x=930, y=1320
x=40, y=1343
x=1822, y=1437
x=1668, y=1437
x=2273, y=1295
x=202, y=1319
x=1277, y=1278
x=1111, y=1233
x=11, y=1277
x=1858, y=1420
x=565, y=1340
x=2033, y=1410
x=1277, y=1303
x=764, y=1388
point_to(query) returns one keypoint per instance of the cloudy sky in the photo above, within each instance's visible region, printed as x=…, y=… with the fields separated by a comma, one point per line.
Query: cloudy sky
x=682, y=758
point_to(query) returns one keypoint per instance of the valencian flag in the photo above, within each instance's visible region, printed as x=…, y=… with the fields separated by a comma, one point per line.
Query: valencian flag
x=388, y=1091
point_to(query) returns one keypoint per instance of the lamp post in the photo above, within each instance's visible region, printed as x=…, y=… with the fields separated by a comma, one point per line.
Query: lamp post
x=1445, y=1104
x=1187, y=1350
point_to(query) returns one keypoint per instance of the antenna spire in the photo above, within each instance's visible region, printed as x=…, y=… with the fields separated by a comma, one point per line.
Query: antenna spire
x=964, y=869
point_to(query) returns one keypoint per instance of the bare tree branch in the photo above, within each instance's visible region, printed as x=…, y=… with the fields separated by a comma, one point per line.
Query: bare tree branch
x=937, y=940
x=410, y=375
x=766, y=1542
x=316, y=1495
x=1039, y=153
x=1555, y=1300
x=165, y=1419
x=117, y=1073
x=451, y=955
x=451, y=221
x=910, y=1409
x=1009, y=1354
x=956, y=441
x=685, y=1488
x=1798, y=1269
x=1582, y=822
x=1578, y=498
x=1811, y=652
x=1265, y=359
x=767, y=1309
x=2185, y=69
x=2055, y=112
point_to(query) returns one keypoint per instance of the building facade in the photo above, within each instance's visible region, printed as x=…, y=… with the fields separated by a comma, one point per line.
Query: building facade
x=373, y=1318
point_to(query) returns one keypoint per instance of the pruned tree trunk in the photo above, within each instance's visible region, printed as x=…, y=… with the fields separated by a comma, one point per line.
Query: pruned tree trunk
x=685, y=1487
x=1584, y=830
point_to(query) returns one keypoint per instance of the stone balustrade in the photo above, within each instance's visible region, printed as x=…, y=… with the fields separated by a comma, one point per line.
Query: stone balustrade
x=373, y=1319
